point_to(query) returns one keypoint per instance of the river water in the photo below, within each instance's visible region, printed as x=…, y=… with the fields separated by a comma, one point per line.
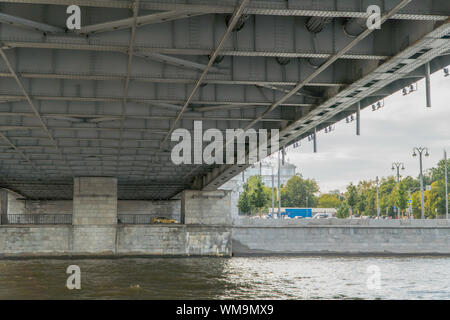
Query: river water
x=230, y=278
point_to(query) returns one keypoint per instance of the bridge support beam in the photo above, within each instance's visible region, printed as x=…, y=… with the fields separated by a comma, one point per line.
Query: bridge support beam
x=206, y=207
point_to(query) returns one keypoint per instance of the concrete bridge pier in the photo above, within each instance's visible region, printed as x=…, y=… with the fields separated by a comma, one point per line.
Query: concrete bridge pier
x=205, y=226
x=206, y=207
x=94, y=215
x=3, y=205
x=94, y=201
x=206, y=216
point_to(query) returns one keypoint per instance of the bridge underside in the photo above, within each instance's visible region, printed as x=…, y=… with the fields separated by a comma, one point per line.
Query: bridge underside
x=103, y=100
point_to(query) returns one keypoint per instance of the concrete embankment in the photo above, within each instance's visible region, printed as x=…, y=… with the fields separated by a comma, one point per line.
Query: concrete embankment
x=245, y=237
x=340, y=236
x=207, y=228
x=158, y=240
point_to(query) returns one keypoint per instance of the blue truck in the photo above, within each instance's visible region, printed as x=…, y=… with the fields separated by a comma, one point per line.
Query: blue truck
x=298, y=212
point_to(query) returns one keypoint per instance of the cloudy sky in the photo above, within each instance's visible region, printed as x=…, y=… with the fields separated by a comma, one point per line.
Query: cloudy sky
x=387, y=135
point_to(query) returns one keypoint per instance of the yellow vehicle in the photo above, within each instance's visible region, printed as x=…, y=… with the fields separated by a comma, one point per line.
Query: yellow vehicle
x=163, y=220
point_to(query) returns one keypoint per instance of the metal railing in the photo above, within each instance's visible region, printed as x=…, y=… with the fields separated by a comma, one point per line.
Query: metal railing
x=36, y=219
x=52, y=219
x=138, y=218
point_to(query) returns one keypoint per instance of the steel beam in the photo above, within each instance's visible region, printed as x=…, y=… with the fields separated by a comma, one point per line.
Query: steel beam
x=330, y=61
x=142, y=51
x=274, y=8
x=78, y=117
x=28, y=99
x=140, y=21
x=29, y=24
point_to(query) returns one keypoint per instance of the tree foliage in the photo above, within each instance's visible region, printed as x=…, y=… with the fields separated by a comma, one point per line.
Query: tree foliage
x=328, y=201
x=255, y=197
x=358, y=199
x=299, y=192
x=344, y=210
x=362, y=197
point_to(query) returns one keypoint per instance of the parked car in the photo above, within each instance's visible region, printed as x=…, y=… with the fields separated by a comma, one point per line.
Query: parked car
x=163, y=220
x=322, y=216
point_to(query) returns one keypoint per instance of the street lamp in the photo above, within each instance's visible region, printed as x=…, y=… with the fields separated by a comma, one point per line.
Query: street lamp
x=378, y=201
x=420, y=151
x=446, y=182
x=398, y=165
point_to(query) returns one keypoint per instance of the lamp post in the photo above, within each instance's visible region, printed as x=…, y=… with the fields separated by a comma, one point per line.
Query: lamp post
x=273, y=193
x=398, y=165
x=378, y=201
x=278, y=183
x=420, y=151
x=446, y=184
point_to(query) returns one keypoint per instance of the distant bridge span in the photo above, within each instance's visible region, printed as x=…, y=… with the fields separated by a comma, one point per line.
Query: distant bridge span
x=103, y=100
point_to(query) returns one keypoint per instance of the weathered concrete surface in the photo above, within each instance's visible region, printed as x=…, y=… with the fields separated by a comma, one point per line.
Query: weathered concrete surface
x=47, y=207
x=166, y=208
x=256, y=236
x=145, y=240
x=174, y=240
x=246, y=236
x=3, y=205
x=34, y=241
x=95, y=201
x=18, y=205
x=206, y=207
x=92, y=239
x=287, y=223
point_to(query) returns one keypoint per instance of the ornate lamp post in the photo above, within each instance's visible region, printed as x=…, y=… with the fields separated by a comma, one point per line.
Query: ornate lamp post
x=420, y=151
x=398, y=165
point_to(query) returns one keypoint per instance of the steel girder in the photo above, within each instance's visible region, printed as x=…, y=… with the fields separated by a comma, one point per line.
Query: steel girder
x=103, y=101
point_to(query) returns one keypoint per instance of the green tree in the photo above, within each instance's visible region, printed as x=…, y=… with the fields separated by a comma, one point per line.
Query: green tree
x=416, y=207
x=328, y=201
x=387, y=186
x=352, y=196
x=366, y=198
x=370, y=199
x=401, y=196
x=433, y=199
x=298, y=191
x=438, y=173
x=343, y=211
x=258, y=199
x=244, y=201
x=255, y=197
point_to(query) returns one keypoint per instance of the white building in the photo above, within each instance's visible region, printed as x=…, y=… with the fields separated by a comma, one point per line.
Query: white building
x=267, y=171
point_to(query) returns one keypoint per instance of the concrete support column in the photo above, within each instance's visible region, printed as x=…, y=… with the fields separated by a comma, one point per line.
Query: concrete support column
x=206, y=207
x=11, y=203
x=3, y=206
x=94, y=216
x=94, y=201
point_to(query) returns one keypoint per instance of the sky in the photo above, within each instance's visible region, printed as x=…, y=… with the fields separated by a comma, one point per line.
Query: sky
x=387, y=135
